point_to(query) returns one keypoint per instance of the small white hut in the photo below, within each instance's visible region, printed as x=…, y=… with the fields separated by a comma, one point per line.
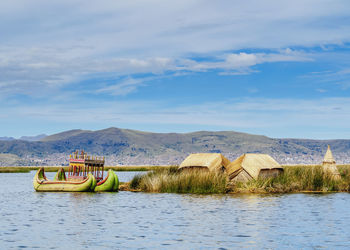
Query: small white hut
x=328, y=164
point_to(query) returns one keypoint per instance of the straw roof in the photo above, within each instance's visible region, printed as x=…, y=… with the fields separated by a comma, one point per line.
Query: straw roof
x=328, y=157
x=212, y=161
x=252, y=164
x=329, y=165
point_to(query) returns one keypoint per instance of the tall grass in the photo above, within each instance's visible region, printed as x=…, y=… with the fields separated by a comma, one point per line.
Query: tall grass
x=25, y=169
x=137, y=168
x=171, y=181
x=293, y=179
x=14, y=170
x=297, y=179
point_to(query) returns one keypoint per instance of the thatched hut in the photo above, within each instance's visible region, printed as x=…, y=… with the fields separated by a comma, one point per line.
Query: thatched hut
x=205, y=161
x=329, y=166
x=252, y=166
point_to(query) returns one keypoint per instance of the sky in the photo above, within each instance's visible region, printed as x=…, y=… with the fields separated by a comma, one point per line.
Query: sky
x=276, y=68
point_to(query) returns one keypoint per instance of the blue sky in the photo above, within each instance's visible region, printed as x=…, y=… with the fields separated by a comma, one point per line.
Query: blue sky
x=277, y=68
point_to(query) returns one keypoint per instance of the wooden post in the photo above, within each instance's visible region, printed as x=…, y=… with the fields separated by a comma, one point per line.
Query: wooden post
x=102, y=171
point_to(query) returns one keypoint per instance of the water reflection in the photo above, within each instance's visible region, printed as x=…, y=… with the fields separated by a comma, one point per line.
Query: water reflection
x=136, y=220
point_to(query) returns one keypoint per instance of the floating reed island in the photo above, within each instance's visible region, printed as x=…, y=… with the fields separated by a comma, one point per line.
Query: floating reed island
x=249, y=173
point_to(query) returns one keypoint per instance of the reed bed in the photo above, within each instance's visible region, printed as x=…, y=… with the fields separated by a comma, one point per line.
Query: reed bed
x=297, y=179
x=137, y=168
x=26, y=169
x=14, y=170
x=293, y=179
x=172, y=181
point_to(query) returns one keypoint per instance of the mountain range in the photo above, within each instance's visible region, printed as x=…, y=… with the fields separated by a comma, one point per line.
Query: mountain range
x=24, y=138
x=131, y=147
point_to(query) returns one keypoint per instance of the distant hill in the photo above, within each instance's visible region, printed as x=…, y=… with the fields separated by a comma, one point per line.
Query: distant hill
x=124, y=146
x=33, y=138
x=24, y=138
x=63, y=135
x=11, y=160
x=5, y=138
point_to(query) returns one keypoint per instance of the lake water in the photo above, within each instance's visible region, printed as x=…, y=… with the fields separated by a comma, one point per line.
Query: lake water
x=141, y=220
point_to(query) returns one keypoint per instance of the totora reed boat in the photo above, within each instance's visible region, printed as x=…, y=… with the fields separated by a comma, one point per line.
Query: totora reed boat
x=85, y=174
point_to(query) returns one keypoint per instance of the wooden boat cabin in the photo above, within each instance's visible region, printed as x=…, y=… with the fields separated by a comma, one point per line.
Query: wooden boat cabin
x=80, y=165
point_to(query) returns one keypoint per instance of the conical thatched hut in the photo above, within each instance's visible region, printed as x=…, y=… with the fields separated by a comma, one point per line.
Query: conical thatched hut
x=329, y=165
x=205, y=161
x=252, y=166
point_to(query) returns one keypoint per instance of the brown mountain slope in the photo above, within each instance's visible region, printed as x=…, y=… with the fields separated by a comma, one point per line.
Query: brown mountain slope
x=124, y=146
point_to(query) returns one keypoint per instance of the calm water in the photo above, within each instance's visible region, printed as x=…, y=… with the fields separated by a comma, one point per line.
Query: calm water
x=140, y=220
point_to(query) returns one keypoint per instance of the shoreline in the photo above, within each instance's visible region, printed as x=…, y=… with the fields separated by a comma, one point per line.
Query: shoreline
x=125, y=187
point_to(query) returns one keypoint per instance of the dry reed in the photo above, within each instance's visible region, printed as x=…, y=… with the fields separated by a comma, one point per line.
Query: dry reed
x=172, y=181
x=297, y=179
x=293, y=179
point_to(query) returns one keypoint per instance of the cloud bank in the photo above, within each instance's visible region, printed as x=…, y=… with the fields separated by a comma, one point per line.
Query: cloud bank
x=44, y=45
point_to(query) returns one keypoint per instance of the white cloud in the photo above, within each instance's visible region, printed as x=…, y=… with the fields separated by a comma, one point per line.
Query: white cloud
x=124, y=87
x=53, y=43
x=241, y=63
x=241, y=60
x=167, y=28
x=339, y=77
x=24, y=72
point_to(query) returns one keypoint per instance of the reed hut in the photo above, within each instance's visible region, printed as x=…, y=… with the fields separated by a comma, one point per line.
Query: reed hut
x=329, y=166
x=205, y=161
x=253, y=166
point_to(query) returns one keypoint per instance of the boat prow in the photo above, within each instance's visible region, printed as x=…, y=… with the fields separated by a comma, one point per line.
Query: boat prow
x=110, y=183
x=116, y=182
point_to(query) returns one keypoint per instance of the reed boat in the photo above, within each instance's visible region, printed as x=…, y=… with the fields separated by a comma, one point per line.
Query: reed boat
x=85, y=174
x=42, y=184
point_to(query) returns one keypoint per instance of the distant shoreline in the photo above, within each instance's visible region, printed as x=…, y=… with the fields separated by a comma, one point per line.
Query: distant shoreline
x=26, y=169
